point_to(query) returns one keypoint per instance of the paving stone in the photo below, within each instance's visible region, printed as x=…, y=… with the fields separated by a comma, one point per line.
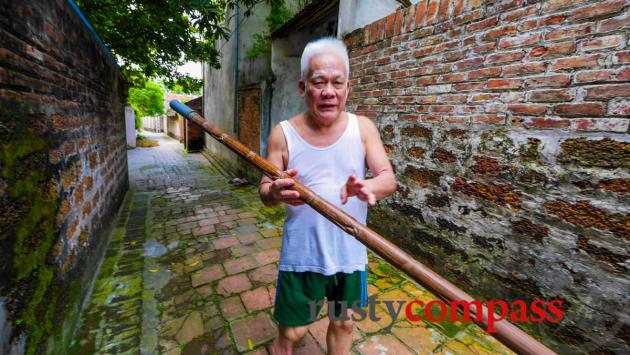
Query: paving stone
x=241, y=264
x=213, y=323
x=370, y=326
x=205, y=291
x=457, y=347
x=204, y=345
x=228, y=218
x=207, y=275
x=225, y=242
x=192, y=328
x=256, y=299
x=223, y=341
x=270, y=243
x=395, y=295
x=270, y=233
x=209, y=229
x=231, y=307
x=257, y=329
x=307, y=346
x=318, y=330
x=248, y=238
x=267, y=273
x=167, y=344
x=208, y=221
x=233, y=284
x=383, y=344
x=267, y=256
x=241, y=250
x=419, y=337
x=272, y=293
x=246, y=214
x=246, y=221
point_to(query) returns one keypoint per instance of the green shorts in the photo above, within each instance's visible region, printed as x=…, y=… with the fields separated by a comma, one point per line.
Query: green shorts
x=300, y=295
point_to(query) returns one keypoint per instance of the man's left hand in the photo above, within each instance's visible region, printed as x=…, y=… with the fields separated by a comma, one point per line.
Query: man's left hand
x=358, y=188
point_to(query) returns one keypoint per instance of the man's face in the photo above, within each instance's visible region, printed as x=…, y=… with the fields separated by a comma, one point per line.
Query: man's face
x=325, y=88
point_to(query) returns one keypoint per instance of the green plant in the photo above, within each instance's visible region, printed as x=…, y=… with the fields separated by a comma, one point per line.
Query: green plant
x=154, y=37
x=147, y=101
x=278, y=16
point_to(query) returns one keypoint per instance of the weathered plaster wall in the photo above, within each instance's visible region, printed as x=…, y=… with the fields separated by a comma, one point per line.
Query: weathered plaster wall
x=285, y=62
x=507, y=124
x=219, y=83
x=355, y=14
x=63, y=169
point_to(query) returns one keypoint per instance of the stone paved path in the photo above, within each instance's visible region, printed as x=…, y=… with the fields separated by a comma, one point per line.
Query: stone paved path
x=192, y=265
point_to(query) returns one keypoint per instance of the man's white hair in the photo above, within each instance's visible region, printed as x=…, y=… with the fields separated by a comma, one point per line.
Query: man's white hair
x=321, y=46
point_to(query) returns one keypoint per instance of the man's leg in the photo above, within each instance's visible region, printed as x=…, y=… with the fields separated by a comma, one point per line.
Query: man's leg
x=346, y=291
x=287, y=337
x=339, y=337
x=299, y=298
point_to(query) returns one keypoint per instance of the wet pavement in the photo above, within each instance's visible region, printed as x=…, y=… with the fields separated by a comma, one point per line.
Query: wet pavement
x=192, y=265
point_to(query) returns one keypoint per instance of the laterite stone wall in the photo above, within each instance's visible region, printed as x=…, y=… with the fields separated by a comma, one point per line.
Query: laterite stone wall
x=507, y=125
x=63, y=169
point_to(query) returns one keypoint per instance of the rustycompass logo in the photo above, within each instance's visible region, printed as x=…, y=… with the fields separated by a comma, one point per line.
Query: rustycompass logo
x=488, y=312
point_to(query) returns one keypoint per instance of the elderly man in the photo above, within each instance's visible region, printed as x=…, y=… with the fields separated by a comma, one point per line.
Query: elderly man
x=326, y=149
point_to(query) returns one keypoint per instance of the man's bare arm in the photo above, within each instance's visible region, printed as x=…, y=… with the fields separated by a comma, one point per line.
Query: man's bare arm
x=271, y=192
x=383, y=182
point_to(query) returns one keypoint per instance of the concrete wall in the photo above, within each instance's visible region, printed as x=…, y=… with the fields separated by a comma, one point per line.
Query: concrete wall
x=507, y=124
x=285, y=63
x=219, y=83
x=63, y=169
x=174, y=127
x=355, y=14
x=130, y=126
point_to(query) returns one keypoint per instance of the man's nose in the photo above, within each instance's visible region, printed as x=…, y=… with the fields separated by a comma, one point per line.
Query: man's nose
x=328, y=90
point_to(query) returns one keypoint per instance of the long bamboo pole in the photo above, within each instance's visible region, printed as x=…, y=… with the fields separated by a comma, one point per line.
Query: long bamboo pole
x=506, y=332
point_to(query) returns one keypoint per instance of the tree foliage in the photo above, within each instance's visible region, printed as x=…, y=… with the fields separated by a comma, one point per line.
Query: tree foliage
x=153, y=37
x=147, y=101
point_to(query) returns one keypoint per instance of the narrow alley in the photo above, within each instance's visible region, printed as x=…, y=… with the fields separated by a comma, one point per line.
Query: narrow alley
x=192, y=265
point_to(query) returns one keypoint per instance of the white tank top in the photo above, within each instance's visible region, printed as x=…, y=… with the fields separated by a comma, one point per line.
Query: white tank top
x=310, y=242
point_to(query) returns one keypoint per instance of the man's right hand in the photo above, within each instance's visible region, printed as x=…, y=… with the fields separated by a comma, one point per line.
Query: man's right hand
x=280, y=190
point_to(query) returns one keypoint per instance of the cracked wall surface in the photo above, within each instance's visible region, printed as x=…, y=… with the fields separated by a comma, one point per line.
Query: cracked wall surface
x=63, y=168
x=507, y=125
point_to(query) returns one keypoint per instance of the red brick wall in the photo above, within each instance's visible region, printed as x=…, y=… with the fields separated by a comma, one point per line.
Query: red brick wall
x=249, y=117
x=63, y=165
x=507, y=124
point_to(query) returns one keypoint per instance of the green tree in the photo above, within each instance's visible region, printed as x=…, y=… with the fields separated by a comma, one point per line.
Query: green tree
x=153, y=37
x=147, y=101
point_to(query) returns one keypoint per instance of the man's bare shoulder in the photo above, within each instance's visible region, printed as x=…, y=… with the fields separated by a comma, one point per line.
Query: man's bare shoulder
x=276, y=138
x=367, y=127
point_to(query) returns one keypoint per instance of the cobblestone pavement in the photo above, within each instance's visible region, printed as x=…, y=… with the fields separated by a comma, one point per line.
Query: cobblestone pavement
x=192, y=265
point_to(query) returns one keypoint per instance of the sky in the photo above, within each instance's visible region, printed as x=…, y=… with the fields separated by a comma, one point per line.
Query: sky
x=191, y=68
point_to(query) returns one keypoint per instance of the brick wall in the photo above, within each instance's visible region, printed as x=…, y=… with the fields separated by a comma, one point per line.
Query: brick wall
x=249, y=117
x=507, y=124
x=249, y=127
x=63, y=168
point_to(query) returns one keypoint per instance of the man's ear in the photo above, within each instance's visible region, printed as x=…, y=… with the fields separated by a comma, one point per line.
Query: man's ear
x=302, y=87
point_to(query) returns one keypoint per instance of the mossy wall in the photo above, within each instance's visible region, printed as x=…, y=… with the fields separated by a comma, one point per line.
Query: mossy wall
x=507, y=125
x=63, y=169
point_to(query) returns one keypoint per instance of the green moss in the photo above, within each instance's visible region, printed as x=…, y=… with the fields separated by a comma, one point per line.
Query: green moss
x=23, y=160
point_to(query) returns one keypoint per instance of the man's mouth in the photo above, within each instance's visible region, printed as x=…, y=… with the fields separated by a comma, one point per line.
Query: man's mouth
x=327, y=106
